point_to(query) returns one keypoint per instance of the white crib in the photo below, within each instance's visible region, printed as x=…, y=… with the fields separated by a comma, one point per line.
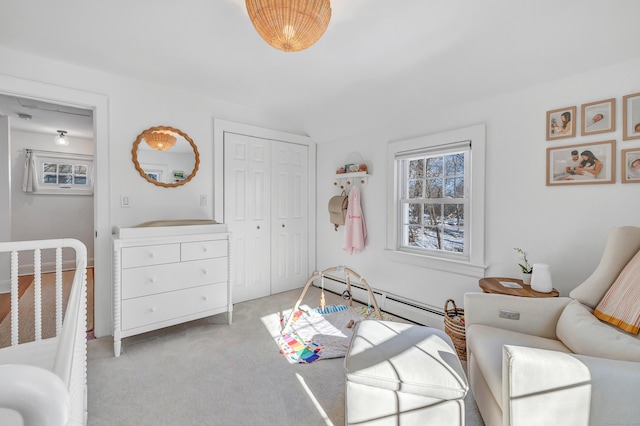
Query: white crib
x=44, y=382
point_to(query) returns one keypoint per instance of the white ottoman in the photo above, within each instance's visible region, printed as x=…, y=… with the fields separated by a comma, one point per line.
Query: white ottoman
x=403, y=374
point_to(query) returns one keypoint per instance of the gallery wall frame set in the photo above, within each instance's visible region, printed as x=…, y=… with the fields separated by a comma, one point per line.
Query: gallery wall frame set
x=580, y=164
x=590, y=163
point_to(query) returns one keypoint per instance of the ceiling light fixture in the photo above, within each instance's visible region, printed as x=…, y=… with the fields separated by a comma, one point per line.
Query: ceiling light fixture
x=160, y=140
x=290, y=25
x=61, y=139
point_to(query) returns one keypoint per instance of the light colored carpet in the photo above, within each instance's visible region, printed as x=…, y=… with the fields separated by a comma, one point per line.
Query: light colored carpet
x=26, y=310
x=207, y=372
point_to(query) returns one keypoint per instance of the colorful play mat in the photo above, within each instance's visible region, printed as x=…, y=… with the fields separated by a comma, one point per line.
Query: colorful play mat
x=321, y=332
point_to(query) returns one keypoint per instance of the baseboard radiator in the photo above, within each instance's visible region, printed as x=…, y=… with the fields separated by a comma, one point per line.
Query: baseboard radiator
x=390, y=303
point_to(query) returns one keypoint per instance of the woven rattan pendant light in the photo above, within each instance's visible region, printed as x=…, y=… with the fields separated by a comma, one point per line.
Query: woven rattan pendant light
x=160, y=141
x=290, y=25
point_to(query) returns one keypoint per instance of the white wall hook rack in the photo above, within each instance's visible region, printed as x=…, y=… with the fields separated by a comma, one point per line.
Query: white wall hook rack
x=346, y=180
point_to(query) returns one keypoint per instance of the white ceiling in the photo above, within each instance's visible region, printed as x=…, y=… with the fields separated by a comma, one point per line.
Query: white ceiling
x=378, y=61
x=42, y=117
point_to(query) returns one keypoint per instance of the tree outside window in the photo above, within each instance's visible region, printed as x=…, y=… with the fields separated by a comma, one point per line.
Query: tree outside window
x=434, y=202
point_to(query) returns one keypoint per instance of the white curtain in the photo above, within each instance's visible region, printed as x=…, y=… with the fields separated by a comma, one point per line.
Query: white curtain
x=30, y=178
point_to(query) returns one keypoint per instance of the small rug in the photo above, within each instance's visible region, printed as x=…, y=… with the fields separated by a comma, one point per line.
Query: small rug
x=26, y=310
x=321, y=333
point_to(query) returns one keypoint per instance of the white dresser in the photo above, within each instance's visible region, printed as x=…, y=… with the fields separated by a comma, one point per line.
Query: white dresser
x=168, y=275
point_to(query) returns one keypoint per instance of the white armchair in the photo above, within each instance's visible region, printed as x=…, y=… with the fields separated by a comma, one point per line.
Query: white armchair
x=557, y=364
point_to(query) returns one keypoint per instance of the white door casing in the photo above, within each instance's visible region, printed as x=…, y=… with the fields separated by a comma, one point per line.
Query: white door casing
x=102, y=225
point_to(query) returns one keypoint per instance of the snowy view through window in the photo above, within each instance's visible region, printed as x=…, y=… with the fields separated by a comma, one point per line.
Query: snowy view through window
x=433, y=202
x=54, y=173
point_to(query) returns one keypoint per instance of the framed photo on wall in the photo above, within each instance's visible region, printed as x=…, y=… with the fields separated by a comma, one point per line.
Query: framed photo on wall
x=561, y=123
x=630, y=165
x=631, y=117
x=586, y=163
x=598, y=117
x=178, y=176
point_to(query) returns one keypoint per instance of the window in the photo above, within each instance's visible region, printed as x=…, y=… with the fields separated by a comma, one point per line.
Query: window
x=433, y=202
x=58, y=173
x=64, y=174
x=436, y=207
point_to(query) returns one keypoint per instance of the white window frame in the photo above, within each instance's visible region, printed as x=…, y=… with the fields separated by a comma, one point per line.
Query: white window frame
x=39, y=187
x=472, y=263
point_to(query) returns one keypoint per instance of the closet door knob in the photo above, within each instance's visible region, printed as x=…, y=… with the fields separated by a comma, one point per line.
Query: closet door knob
x=283, y=225
x=258, y=227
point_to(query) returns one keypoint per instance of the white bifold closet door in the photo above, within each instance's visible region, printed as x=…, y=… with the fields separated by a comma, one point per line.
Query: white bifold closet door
x=267, y=210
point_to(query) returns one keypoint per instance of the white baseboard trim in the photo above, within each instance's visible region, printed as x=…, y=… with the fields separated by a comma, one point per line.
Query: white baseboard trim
x=387, y=302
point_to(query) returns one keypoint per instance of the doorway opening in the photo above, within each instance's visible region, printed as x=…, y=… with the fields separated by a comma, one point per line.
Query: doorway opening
x=32, y=125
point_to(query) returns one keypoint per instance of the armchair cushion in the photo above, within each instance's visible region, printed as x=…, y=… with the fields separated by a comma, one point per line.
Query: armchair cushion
x=622, y=245
x=584, y=334
x=620, y=306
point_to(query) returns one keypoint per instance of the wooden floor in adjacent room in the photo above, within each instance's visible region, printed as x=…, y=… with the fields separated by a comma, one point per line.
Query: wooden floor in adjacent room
x=48, y=279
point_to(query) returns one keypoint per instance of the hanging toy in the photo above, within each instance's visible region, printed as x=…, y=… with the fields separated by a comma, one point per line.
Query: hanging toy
x=346, y=295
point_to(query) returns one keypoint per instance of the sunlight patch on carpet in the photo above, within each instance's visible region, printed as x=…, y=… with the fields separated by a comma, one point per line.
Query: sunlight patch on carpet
x=316, y=333
x=314, y=400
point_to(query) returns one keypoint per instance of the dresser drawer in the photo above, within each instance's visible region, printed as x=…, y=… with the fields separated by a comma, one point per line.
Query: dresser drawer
x=148, y=310
x=150, y=255
x=203, y=250
x=148, y=280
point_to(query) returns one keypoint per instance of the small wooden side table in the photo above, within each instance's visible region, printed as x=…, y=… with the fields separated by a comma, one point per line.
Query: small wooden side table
x=492, y=285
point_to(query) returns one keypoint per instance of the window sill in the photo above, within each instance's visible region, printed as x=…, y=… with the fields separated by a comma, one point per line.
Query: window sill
x=447, y=265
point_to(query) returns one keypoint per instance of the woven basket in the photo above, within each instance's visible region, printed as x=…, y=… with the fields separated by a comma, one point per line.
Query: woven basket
x=454, y=327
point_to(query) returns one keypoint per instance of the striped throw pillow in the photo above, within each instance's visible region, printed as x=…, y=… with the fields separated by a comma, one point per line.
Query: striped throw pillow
x=620, y=305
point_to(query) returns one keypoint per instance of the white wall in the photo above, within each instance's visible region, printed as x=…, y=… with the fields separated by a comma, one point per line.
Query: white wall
x=564, y=226
x=133, y=106
x=36, y=216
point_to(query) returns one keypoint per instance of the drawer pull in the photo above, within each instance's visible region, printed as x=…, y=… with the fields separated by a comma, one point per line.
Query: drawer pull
x=205, y=249
x=152, y=255
x=152, y=309
x=205, y=298
x=153, y=279
x=204, y=271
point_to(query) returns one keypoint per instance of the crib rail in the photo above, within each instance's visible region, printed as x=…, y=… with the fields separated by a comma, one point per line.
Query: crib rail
x=70, y=360
x=36, y=247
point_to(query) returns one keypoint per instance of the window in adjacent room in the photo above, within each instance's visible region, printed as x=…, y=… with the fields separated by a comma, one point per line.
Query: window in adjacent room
x=57, y=173
x=436, y=211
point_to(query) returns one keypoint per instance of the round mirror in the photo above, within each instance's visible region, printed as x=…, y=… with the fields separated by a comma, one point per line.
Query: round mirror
x=165, y=156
